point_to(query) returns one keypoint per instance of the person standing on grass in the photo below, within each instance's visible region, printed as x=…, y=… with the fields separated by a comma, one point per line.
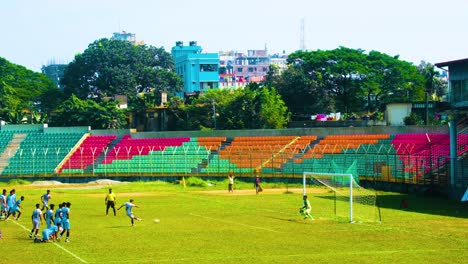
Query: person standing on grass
x=65, y=221
x=58, y=216
x=231, y=181
x=110, y=202
x=11, y=200
x=258, y=188
x=36, y=221
x=45, y=200
x=16, y=208
x=306, y=208
x=4, y=206
x=49, y=216
x=128, y=208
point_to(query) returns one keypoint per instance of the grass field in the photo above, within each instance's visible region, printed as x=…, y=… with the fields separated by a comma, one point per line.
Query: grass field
x=209, y=225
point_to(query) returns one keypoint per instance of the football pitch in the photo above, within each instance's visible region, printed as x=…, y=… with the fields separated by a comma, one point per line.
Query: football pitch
x=210, y=225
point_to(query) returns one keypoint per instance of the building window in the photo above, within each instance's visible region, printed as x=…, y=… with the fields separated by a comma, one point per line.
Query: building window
x=251, y=69
x=459, y=91
x=265, y=69
x=208, y=67
x=239, y=69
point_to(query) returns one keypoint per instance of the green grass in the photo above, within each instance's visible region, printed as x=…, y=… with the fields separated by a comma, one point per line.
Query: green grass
x=202, y=226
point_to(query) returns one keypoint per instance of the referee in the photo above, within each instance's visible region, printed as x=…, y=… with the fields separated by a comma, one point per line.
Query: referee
x=110, y=201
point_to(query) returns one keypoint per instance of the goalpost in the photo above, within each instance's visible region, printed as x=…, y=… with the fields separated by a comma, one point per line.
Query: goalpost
x=350, y=200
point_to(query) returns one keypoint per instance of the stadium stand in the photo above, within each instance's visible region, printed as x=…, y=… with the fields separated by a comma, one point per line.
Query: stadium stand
x=415, y=158
x=245, y=154
x=40, y=153
x=86, y=153
x=160, y=155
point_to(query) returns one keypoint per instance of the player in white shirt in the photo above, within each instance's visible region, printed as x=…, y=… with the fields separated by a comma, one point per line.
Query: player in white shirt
x=4, y=206
x=128, y=208
x=36, y=221
x=45, y=200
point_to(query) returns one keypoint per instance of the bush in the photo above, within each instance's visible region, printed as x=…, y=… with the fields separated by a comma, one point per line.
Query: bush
x=195, y=182
x=412, y=119
x=18, y=182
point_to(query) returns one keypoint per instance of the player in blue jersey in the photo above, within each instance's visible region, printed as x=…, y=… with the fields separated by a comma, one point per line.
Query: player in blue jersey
x=45, y=200
x=16, y=208
x=49, y=234
x=11, y=200
x=58, y=216
x=65, y=221
x=4, y=206
x=36, y=221
x=49, y=216
x=128, y=208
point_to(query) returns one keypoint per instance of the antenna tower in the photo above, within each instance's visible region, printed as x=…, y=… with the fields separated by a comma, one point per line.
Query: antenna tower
x=302, y=38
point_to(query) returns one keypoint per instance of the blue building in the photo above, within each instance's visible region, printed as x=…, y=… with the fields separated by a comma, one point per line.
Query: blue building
x=199, y=71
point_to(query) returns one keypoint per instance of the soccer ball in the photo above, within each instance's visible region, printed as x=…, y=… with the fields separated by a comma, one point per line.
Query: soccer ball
x=156, y=220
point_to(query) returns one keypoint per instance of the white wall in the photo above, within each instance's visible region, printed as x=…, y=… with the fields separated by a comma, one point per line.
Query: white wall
x=395, y=113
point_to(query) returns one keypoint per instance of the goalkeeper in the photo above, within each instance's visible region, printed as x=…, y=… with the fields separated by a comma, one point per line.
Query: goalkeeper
x=306, y=208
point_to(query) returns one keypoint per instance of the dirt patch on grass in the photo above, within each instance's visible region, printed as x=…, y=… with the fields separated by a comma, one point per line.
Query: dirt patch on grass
x=127, y=194
x=60, y=185
x=265, y=191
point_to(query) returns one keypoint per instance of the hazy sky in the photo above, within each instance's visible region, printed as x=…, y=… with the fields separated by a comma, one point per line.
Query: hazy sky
x=36, y=32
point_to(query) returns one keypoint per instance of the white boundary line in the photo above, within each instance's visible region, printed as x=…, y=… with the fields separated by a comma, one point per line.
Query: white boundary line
x=236, y=223
x=55, y=244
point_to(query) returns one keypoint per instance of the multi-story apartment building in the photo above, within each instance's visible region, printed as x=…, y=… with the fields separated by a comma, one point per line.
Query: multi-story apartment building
x=237, y=69
x=55, y=72
x=199, y=71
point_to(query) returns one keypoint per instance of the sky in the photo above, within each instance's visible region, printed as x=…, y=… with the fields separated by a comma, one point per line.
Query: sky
x=40, y=32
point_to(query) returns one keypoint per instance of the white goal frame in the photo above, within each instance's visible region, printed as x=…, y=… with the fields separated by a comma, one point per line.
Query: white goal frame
x=345, y=175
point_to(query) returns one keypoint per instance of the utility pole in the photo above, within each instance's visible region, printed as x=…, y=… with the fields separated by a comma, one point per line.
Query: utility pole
x=214, y=112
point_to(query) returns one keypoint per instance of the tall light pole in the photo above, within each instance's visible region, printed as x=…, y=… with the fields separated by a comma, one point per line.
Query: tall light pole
x=214, y=112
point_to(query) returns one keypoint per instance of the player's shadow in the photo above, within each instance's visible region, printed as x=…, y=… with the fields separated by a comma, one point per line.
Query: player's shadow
x=290, y=220
x=416, y=202
x=126, y=226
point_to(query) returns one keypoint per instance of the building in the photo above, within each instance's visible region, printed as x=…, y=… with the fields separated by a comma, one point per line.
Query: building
x=55, y=73
x=127, y=36
x=237, y=69
x=458, y=126
x=458, y=82
x=199, y=71
x=251, y=66
x=280, y=60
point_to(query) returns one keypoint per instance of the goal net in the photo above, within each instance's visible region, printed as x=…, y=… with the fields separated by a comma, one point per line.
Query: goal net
x=339, y=195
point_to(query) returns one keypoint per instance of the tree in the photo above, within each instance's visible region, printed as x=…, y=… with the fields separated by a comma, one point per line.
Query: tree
x=231, y=109
x=432, y=84
x=77, y=112
x=23, y=90
x=303, y=85
x=273, y=110
x=391, y=80
x=109, y=67
x=346, y=80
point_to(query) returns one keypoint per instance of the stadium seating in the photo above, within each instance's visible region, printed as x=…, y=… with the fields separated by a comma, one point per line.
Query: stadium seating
x=337, y=153
x=41, y=153
x=86, y=153
x=385, y=157
x=245, y=154
x=160, y=155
